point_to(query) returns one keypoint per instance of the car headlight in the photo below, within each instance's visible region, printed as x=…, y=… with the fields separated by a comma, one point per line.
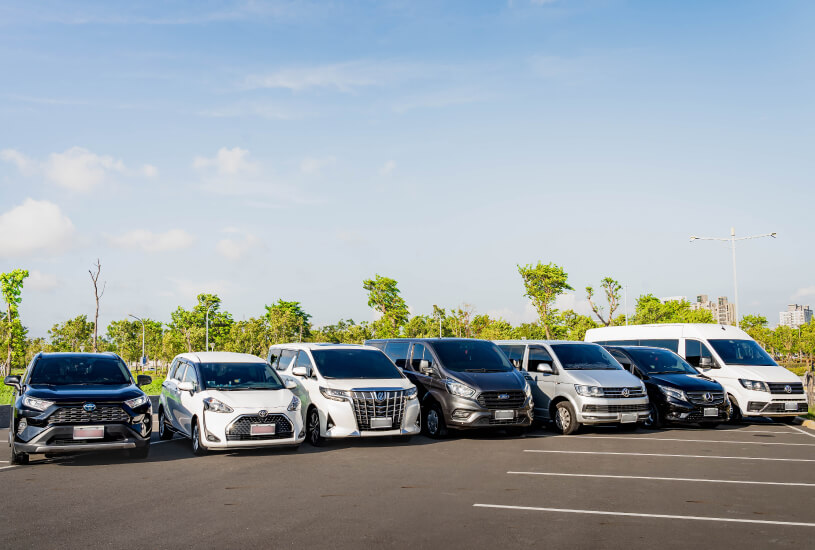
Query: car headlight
x=36, y=404
x=137, y=401
x=754, y=385
x=411, y=393
x=294, y=405
x=673, y=392
x=589, y=391
x=527, y=389
x=459, y=389
x=213, y=405
x=336, y=395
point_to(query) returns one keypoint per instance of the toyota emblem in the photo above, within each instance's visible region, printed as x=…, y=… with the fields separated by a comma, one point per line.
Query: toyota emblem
x=788, y=388
x=380, y=396
x=625, y=392
x=89, y=407
x=262, y=413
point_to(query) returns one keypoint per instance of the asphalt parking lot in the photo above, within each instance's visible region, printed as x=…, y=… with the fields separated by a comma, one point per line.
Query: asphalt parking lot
x=752, y=485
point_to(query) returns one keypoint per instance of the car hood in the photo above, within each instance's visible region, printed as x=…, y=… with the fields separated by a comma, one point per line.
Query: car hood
x=490, y=381
x=74, y=393
x=766, y=373
x=364, y=383
x=253, y=399
x=605, y=378
x=687, y=382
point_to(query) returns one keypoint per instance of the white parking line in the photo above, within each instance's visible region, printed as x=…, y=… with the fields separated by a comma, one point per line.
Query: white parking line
x=666, y=478
x=660, y=516
x=667, y=455
x=802, y=431
x=690, y=440
x=6, y=467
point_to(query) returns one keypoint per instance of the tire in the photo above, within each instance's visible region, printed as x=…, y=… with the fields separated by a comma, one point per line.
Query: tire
x=433, y=424
x=565, y=418
x=164, y=433
x=655, y=420
x=313, y=428
x=17, y=459
x=139, y=452
x=784, y=419
x=198, y=446
x=735, y=412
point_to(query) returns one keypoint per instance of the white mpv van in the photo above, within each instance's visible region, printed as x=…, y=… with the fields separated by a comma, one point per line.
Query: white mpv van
x=755, y=384
x=355, y=391
x=576, y=383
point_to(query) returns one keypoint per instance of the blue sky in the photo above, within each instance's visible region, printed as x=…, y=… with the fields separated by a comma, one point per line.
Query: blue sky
x=292, y=149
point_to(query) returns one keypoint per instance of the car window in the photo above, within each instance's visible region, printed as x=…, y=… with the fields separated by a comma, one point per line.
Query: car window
x=695, y=350
x=471, y=356
x=398, y=352
x=82, y=369
x=537, y=355
x=621, y=358
x=179, y=371
x=274, y=357
x=672, y=345
x=420, y=353
x=355, y=363
x=515, y=354
x=303, y=360
x=584, y=357
x=189, y=375
x=286, y=357
x=171, y=370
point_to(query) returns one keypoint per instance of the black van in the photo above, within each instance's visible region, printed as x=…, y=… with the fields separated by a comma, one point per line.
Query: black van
x=677, y=391
x=462, y=383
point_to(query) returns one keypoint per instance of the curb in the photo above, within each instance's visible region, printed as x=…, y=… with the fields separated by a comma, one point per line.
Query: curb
x=804, y=423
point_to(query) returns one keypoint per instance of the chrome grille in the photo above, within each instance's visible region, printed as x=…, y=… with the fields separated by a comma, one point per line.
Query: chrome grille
x=78, y=415
x=775, y=407
x=780, y=387
x=502, y=400
x=617, y=393
x=374, y=403
x=698, y=397
x=643, y=407
x=240, y=429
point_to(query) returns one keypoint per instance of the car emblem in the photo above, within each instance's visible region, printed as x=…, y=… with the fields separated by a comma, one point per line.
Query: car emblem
x=787, y=388
x=380, y=396
x=626, y=392
x=262, y=413
x=89, y=407
x=503, y=396
x=708, y=397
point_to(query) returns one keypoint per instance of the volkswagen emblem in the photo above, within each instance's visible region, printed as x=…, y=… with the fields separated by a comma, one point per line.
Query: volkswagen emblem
x=625, y=392
x=708, y=397
x=89, y=407
x=380, y=396
x=262, y=413
x=788, y=388
x=503, y=396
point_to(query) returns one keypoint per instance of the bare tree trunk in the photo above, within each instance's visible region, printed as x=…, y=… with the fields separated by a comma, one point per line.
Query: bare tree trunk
x=97, y=295
x=7, y=366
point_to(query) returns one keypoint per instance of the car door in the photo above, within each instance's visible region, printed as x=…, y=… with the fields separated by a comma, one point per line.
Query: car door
x=186, y=401
x=173, y=395
x=421, y=378
x=284, y=363
x=544, y=387
x=310, y=380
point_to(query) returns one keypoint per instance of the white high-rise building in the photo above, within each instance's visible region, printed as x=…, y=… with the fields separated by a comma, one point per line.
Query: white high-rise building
x=795, y=316
x=723, y=312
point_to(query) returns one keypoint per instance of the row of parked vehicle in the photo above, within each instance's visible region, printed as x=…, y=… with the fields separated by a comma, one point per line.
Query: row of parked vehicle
x=651, y=375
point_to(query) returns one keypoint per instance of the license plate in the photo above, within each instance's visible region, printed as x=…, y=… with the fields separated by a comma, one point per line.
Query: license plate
x=711, y=411
x=89, y=432
x=505, y=415
x=383, y=422
x=790, y=406
x=262, y=429
x=628, y=418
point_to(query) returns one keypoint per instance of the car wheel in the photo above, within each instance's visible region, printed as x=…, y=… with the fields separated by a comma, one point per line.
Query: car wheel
x=434, y=425
x=565, y=419
x=313, y=428
x=654, y=420
x=139, y=452
x=198, y=447
x=164, y=433
x=735, y=412
x=18, y=459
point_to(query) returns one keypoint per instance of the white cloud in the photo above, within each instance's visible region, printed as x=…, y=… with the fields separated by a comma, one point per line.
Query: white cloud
x=41, y=281
x=24, y=164
x=34, y=226
x=79, y=169
x=142, y=239
x=314, y=166
x=237, y=248
x=804, y=292
x=149, y=170
x=388, y=168
x=226, y=162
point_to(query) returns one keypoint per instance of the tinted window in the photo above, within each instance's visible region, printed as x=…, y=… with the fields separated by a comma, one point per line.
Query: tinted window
x=420, y=353
x=274, y=357
x=179, y=371
x=354, y=363
x=303, y=360
x=657, y=361
x=171, y=370
x=286, y=357
x=584, y=357
x=694, y=350
x=515, y=354
x=59, y=371
x=398, y=352
x=621, y=358
x=471, y=356
x=672, y=345
x=189, y=375
x=741, y=352
x=239, y=376
x=537, y=355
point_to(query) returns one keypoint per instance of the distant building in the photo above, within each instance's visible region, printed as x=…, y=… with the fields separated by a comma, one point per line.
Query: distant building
x=673, y=299
x=795, y=316
x=723, y=312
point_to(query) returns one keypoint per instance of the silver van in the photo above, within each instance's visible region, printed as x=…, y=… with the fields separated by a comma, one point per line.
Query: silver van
x=576, y=383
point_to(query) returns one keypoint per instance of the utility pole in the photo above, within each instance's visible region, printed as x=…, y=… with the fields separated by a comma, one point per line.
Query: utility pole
x=143, y=359
x=207, y=323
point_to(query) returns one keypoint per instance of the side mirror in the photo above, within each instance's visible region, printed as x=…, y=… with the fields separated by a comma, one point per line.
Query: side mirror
x=13, y=381
x=186, y=386
x=545, y=368
x=291, y=384
x=424, y=367
x=707, y=363
x=144, y=380
x=299, y=371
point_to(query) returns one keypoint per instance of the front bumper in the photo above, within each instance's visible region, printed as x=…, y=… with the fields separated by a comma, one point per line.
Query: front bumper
x=59, y=439
x=674, y=410
x=219, y=430
x=598, y=410
x=464, y=414
x=776, y=407
x=338, y=420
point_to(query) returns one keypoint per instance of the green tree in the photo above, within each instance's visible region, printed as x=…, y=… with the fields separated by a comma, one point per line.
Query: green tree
x=577, y=325
x=33, y=346
x=251, y=336
x=288, y=322
x=612, y=290
x=192, y=324
x=11, y=286
x=125, y=337
x=72, y=335
x=756, y=327
x=650, y=310
x=544, y=283
x=384, y=296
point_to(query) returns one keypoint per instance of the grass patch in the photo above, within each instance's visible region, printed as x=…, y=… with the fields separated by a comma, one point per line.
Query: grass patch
x=154, y=388
x=5, y=394
x=797, y=369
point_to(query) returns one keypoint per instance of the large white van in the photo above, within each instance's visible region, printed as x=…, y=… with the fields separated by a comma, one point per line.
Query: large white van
x=755, y=384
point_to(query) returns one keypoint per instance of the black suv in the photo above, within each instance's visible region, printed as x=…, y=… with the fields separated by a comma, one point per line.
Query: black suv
x=677, y=392
x=71, y=402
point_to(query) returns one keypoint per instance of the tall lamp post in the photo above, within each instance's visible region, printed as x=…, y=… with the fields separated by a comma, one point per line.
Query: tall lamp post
x=142, y=335
x=732, y=239
x=207, y=322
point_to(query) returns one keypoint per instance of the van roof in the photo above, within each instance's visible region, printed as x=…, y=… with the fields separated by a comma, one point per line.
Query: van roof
x=666, y=330
x=521, y=342
x=319, y=345
x=221, y=357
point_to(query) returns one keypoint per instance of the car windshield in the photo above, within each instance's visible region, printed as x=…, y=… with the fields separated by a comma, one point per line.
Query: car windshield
x=82, y=370
x=742, y=352
x=239, y=376
x=471, y=356
x=658, y=361
x=584, y=357
x=354, y=363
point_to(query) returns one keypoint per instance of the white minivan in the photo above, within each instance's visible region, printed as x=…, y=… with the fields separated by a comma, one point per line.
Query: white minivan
x=755, y=384
x=575, y=383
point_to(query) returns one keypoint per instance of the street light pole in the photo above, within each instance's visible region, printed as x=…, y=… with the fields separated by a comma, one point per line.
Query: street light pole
x=207, y=322
x=142, y=333
x=732, y=239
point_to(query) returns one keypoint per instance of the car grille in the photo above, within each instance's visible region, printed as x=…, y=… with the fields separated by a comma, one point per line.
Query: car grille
x=495, y=399
x=78, y=415
x=698, y=397
x=698, y=415
x=370, y=404
x=240, y=429
x=774, y=407
x=617, y=393
x=795, y=387
x=615, y=408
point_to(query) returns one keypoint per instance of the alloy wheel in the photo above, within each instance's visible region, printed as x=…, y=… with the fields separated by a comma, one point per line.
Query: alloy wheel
x=563, y=419
x=432, y=422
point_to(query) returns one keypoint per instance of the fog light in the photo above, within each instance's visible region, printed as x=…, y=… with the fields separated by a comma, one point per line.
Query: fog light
x=22, y=426
x=212, y=437
x=461, y=414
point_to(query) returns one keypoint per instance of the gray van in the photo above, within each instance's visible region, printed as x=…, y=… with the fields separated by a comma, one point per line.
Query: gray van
x=462, y=383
